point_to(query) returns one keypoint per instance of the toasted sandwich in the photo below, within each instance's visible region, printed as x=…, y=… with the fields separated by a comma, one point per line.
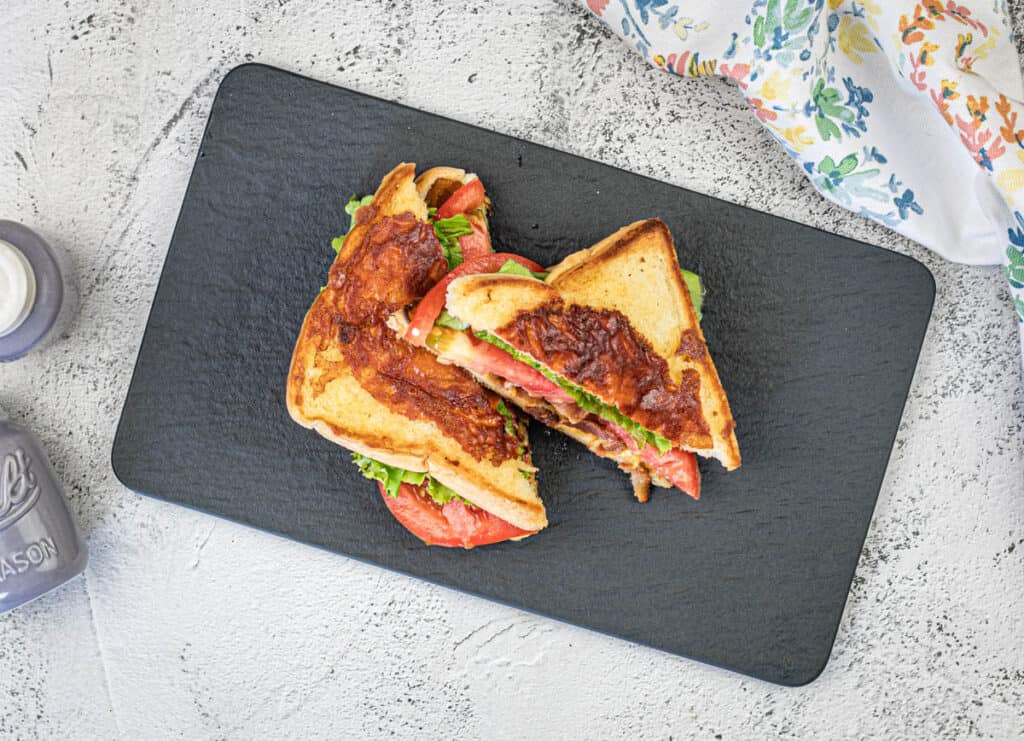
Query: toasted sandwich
x=452, y=460
x=605, y=347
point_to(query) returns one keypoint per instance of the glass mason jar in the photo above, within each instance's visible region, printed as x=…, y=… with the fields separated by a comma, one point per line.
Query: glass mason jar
x=40, y=544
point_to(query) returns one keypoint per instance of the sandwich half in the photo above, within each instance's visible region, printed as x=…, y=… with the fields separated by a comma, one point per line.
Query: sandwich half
x=606, y=347
x=451, y=458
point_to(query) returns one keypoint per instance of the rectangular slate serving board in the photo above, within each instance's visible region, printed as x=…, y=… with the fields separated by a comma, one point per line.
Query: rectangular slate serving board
x=815, y=336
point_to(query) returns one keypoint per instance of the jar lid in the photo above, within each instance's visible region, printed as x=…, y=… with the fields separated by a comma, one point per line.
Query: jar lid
x=48, y=280
x=17, y=288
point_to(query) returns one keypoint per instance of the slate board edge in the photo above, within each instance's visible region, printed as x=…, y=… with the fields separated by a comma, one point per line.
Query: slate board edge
x=278, y=70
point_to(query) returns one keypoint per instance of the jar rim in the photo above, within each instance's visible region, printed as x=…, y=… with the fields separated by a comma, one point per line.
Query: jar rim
x=49, y=294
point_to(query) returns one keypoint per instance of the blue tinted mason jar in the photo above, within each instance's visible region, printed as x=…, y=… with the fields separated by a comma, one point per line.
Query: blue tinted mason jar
x=40, y=544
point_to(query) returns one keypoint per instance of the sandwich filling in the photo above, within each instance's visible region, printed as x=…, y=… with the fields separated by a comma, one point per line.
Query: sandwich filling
x=613, y=431
x=585, y=400
x=554, y=400
x=432, y=511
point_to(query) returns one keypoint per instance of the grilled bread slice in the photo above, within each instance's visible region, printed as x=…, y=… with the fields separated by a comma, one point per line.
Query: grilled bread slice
x=353, y=381
x=617, y=321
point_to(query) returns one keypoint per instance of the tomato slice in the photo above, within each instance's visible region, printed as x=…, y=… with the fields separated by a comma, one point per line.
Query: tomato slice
x=452, y=525
x=678, y=467
x=476, y=244
x=466, y=198
x=431, y=305
x=488, y=358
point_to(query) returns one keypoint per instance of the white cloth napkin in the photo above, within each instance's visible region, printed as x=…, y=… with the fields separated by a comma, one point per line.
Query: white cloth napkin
x=908, y=113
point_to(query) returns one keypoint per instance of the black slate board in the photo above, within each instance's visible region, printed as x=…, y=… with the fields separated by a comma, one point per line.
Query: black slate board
x=815, y=336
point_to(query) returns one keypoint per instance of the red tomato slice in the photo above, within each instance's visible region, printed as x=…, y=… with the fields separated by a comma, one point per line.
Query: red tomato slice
x=452, y=525
x=431, y=305
x=678, y=467
x=476, y=244
x=466, y=198
x=488, y=358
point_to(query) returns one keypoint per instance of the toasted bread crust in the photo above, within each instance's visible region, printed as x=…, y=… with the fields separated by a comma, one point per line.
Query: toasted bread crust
x=431, y=186
x=428, y=178
x=635, y=272
x=324, y=393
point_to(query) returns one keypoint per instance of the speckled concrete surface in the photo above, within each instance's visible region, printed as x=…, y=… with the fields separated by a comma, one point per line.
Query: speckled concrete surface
x=186, y=626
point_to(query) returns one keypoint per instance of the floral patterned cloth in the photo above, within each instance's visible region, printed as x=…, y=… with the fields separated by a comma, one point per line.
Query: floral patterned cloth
x=908, y=113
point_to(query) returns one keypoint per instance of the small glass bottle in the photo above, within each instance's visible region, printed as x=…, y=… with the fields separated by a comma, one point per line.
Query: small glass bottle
x=40, y=544
x=37, y=291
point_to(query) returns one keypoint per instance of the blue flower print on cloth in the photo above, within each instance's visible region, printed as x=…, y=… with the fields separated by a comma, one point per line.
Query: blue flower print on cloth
x=908, y=113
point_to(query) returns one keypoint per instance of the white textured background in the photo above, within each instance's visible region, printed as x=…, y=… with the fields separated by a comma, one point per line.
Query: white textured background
x=186, y=626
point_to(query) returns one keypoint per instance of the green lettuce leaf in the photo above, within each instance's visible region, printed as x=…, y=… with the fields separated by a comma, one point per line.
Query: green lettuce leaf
x=693, y=285
x=448, y=232
x=586, y=401
x=511, y=267
x=510, y=427
x=393, y=477
x=445, y=319
x=353, y=205
x=441, y=493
